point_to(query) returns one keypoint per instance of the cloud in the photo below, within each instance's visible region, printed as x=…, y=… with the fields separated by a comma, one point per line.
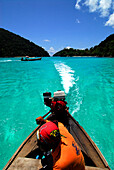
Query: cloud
x=68, y=47
x=77, y=6
x=51, y=50
x=77, y=21
x=92, y=4
x=47, y=40
x=104, y=7
x=101, y=6
x=110, y=22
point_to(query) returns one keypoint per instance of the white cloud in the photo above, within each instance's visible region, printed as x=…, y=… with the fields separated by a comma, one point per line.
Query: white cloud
x=68, y=47
x=47, y=40
x=78, y=21
x=110, y=22
x=101, y=6
x=92, y=4
x=51, y=50
x=104, y=7
x=77, y=6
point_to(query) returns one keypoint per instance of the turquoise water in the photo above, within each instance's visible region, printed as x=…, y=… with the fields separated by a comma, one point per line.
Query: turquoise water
x=87, y=82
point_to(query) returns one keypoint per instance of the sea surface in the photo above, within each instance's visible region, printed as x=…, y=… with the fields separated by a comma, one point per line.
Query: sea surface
x=89, y=86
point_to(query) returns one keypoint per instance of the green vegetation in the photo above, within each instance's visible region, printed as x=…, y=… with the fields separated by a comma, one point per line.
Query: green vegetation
x=104, y=49
x=12, y=45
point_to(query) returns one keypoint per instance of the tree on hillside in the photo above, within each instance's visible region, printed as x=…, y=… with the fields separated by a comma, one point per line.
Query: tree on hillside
x=12, y=45
x=104, y=49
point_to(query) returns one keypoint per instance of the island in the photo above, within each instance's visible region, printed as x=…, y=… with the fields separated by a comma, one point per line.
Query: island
x=12, y=45
x=104, y=49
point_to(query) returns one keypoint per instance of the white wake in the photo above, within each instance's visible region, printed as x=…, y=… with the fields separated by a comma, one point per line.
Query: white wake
x=69, y=80
x=4, y=61
x=67, y=76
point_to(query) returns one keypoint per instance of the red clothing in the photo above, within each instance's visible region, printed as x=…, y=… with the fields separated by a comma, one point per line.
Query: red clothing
x=67, y=155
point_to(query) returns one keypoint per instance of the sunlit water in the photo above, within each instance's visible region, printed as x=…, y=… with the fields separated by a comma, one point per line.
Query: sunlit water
x=89, y=87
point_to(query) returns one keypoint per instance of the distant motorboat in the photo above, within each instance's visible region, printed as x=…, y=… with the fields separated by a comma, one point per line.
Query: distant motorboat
x=27, y=58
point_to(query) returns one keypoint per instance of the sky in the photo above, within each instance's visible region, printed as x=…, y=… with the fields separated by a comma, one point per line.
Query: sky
x=58, y=24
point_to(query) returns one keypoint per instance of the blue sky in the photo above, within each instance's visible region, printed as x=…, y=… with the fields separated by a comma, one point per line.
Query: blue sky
x=58, y=24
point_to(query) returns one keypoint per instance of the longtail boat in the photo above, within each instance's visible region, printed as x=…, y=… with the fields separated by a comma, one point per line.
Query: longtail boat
x=26, y=154
x=30, y=58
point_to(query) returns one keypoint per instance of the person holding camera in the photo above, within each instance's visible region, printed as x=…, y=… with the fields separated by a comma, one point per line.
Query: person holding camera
x=54, y=137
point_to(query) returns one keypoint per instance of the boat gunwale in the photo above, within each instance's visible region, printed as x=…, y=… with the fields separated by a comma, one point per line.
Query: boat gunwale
x=19, y=149
x=92, y=143
x=103, y=160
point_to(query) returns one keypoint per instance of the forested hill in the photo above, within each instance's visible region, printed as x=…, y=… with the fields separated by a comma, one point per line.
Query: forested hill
x=12, y=45
x=104, y=49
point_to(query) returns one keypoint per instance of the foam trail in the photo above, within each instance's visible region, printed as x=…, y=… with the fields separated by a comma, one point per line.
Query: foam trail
x=2, y=61
x=70, y=81
x=77, y=100
x=67, y=75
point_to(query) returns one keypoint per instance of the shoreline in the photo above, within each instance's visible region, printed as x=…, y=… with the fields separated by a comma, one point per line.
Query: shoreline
x=64, y=56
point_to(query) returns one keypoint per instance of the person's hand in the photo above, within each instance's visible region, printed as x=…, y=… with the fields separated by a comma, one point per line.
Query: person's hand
x=40, y=120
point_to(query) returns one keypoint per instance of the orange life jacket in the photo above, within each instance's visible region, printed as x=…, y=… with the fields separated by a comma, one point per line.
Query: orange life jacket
x=67, y=156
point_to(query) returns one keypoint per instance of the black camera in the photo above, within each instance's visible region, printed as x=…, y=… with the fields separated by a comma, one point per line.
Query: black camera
x=47, y=98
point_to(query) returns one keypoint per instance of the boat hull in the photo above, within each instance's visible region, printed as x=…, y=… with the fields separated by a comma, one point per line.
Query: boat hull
x=30, y=59
x=92, y=155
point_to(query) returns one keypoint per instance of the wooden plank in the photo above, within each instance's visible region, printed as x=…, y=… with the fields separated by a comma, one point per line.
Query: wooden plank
x=35, y=164
x=26, y=164
x=94, y=168
x=87, y=145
